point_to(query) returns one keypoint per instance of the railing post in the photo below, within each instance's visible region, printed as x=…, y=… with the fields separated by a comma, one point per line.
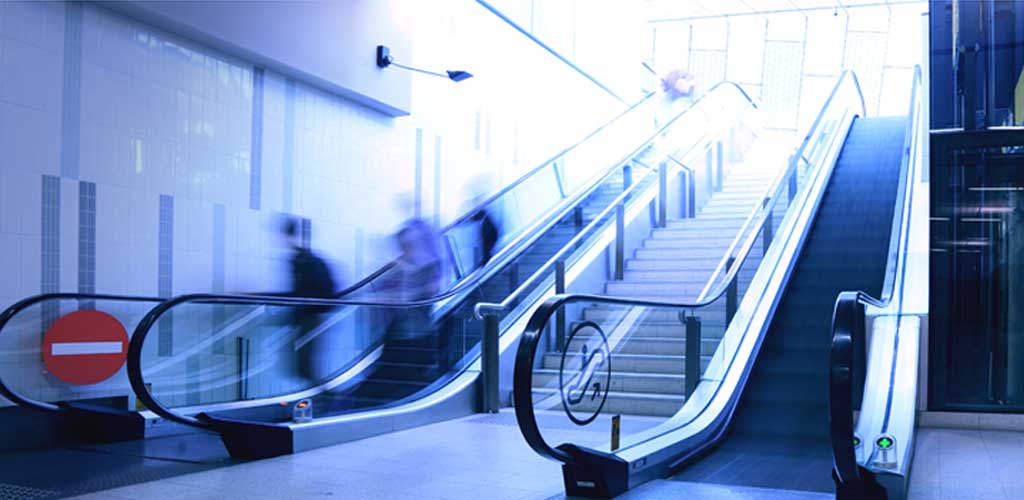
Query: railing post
x=627, y=176
x=792, y=185
x=692, y=354
x=684, y=195
x=577, y=218
x=719, y=166
x=709, y=158
x=620, y=241
x=513, y=277
x=662, y=194
x=731, y=293
x=768, y=230
x=691, y=190
x=560, y=313
x=244, y=359
x=558, y=179
x=490, y=364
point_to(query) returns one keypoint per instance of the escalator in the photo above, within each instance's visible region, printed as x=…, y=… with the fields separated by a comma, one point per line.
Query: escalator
x=770, y=395
x=779, y=436
x=243, y=378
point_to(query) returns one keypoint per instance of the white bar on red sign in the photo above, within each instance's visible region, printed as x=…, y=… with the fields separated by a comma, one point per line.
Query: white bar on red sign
x=80, y=348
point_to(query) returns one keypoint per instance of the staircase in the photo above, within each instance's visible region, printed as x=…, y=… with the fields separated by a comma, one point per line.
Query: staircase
x=673, y=264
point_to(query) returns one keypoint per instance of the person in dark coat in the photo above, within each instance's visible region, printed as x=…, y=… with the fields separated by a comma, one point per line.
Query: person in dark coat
x=311, y=278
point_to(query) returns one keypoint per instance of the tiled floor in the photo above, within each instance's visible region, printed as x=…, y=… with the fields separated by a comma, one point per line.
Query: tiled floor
x=485, y=457
x=954, y=464
x=477, y=457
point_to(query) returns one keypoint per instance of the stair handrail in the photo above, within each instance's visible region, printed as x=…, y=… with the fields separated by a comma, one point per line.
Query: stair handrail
x=530, y=340
x=525, y=240
x=11, y=311
x=848, y=316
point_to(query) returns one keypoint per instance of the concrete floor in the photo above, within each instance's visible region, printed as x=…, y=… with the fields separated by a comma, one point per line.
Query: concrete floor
x=485, y=457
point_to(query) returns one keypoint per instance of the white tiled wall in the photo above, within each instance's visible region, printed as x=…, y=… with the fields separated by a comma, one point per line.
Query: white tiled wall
x=162, y=115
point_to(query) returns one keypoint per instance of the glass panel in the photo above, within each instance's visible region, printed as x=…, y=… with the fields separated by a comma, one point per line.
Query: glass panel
x=223, y=353
x=977, y=276
x=77, y=363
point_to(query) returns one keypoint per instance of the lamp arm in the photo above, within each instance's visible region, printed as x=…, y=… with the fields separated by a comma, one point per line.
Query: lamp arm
x=410, y=68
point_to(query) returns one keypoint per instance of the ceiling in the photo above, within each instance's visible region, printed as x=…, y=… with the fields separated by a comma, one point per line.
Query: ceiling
x=675, y=10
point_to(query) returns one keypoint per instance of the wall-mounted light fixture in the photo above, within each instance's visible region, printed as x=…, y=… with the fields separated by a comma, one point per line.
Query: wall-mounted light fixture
x=384, y=60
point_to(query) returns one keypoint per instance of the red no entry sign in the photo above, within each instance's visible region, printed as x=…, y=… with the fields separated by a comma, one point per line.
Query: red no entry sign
x=85, y=347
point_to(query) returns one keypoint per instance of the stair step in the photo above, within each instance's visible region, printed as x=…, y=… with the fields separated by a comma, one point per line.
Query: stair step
x=720, y=243
x=703, y=222
x=639, y=343
x=691, y=275
x=679, y=264
x=648, y=383
x=626, y=403
x=639, y=363
x=679, y=253
x=664, y=320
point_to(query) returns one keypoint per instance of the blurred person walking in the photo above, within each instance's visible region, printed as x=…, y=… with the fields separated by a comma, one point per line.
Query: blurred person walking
x=487, y=234
x=487, y=230
x=311, y=277
x=416, y=276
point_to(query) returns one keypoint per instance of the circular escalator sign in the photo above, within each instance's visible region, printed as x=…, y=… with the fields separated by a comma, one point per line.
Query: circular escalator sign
x=585, y=374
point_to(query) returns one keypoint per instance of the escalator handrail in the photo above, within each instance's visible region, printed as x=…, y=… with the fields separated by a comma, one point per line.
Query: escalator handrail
x=848, y=333
x=462, y=219
x=8, y=314
x=484, y=308
x=138, y=338
x=530, y=340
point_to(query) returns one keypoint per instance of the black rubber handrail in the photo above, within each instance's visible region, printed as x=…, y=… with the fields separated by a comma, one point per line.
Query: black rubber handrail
x=135, y=375
x=846, y=359
x=8, y=314
x=845, y=368
x=528, y=344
